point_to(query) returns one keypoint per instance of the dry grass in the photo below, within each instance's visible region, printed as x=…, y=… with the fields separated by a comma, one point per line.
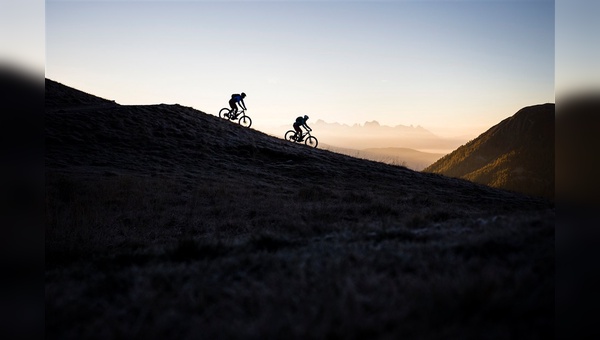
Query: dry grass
x=132, y=257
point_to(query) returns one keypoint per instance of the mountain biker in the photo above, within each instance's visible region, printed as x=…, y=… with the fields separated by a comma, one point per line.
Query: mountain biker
x=236, y=98
x=300, y=122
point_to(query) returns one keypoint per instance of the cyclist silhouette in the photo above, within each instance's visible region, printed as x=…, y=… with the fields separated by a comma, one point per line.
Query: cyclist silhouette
x=236, y=98
x=300, y=122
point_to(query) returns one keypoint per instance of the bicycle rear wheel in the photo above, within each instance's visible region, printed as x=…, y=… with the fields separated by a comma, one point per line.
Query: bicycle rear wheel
x=245, y=121
x=312, y=141
x=290, y=136
x=224, y=113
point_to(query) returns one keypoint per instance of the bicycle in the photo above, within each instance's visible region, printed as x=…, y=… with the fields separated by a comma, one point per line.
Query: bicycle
x=306, y=137
x=243, y=120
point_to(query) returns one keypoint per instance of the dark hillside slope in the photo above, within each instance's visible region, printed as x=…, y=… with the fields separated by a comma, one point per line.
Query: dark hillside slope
x=517, y=154
x=165, y=222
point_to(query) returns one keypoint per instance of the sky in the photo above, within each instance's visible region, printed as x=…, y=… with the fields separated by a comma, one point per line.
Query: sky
x=455, y=68
x=577, y=48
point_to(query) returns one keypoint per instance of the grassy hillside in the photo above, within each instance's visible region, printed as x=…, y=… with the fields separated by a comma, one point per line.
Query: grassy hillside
x=517, y=154
x=166, y=222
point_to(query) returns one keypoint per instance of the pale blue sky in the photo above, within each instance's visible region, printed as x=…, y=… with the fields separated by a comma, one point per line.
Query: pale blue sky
x=453, y=67
x=577, y=47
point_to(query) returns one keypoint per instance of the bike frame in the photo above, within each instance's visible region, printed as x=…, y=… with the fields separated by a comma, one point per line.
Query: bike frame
x=305, y=133
x=240, y=112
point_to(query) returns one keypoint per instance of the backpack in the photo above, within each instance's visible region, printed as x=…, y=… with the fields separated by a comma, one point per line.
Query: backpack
x=234, y=95
x=300, y=120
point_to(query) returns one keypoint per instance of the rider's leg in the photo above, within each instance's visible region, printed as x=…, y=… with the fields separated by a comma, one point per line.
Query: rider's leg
x=233, y=110
x=298, y=131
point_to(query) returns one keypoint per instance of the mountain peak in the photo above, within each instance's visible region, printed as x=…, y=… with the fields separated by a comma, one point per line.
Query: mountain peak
x=373, y=123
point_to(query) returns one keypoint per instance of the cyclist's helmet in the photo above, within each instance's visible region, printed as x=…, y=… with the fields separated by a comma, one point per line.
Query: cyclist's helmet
x=305, y=117
x=243, y=94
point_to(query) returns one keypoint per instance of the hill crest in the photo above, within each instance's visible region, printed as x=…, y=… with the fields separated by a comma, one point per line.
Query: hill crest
x=58, y=95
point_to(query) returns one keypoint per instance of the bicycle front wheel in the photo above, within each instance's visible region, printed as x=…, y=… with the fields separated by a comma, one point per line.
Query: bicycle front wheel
x=224, y=113
x=289, y=136
x=312, y=142
x=245, y=121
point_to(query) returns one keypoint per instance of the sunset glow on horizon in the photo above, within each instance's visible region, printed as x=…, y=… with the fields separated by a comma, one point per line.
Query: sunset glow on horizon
x=455, y=68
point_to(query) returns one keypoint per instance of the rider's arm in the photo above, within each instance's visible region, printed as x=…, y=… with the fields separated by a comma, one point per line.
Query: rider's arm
x=307, y=127
x=243, y=105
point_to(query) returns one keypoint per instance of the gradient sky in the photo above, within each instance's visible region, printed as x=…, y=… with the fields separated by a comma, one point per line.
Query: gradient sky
x=453, y=67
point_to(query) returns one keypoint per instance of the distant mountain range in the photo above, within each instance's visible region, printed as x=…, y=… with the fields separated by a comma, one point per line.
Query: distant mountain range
x=517, y=154
x=374, y=135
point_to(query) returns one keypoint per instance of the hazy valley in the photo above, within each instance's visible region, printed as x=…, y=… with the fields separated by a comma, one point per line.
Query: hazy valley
x=409, y=158
x=398, y=145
